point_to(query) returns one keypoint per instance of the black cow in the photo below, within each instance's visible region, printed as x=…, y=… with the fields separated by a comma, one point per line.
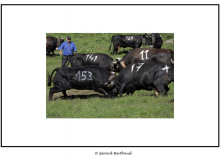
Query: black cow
x=148, y=74
x=156, y=41
x=163, y=55
x=134, y=41
x=97, y=59
x=52, y=43
x=81, y=78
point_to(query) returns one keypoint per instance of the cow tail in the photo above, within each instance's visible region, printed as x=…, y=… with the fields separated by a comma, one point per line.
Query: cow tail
x=110, y=44
x=50, y=76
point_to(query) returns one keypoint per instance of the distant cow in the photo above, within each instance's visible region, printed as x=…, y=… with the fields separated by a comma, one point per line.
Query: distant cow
x=156, y=41
x=148, y=74
x=81, y=78
x=98, y=59
x=52, y=43
x=134, y=41
x=163, y=55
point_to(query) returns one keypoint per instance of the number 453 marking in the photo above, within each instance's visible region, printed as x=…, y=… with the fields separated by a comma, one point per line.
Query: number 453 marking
x=142, y=54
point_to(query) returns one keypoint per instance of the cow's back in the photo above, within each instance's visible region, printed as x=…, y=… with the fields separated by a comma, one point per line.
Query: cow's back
x=139, y=54
x=98, y=59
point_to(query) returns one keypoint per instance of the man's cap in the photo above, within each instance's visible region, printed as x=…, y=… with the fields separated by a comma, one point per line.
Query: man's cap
x=68, y=37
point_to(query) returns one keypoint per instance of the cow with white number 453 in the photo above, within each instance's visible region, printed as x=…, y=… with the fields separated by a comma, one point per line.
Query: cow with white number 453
x=135, y=55
x=148, y=74
x=81, y=78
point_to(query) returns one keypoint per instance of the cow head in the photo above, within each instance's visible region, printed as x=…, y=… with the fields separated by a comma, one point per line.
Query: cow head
x=146, y=39
x=111, y=82
x=59, y=41
x=117, y=65
x=113, y=92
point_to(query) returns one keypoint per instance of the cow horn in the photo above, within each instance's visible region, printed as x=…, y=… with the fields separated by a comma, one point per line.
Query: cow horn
x=110, y=84
x=172, y=61
x=146, y=35
x=111, y=77
x=117, y=59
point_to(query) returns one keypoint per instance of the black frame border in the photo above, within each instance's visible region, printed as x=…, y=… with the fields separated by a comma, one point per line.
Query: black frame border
x=110, y=5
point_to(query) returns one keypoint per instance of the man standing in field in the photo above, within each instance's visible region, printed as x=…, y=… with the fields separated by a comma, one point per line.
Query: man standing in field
x=68, y=48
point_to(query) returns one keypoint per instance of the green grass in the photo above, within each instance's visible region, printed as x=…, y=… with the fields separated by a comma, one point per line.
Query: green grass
x=89, y=104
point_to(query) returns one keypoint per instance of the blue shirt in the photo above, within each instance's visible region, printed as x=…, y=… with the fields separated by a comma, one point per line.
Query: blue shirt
x=68, y=49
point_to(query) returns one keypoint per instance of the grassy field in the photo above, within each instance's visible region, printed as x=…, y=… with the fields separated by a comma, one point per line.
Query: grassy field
x=89, y=104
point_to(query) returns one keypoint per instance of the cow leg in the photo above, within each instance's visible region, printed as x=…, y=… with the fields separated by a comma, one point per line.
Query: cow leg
x=64, y=93
x=53, y=53
x=48, y=53
x=115, y=50
x=121, y=90
x=100, y=90
x=130, y=90
x=156, y=93
x=54, y=90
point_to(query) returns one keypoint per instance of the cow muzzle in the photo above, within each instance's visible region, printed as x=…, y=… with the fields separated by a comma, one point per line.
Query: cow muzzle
x=110, y=84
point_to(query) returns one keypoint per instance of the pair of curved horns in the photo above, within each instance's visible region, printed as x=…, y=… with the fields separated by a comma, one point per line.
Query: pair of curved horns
x=147, y=35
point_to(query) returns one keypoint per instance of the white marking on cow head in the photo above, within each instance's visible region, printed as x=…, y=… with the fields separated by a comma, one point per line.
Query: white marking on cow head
x=165, y=68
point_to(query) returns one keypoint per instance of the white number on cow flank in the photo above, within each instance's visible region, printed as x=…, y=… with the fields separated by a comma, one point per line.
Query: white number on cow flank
x=132, y=67
x=138, y=67
x=84, y=77
x=90, y=74
x=95, y=58
x=91, y=58
x=129, y=38
x=142, y=54
x=166, y=68
x=87, y=56
x=146, y=53
x=79, y=75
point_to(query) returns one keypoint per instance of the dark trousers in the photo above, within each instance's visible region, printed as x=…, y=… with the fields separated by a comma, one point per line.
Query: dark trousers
x=66, y=59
